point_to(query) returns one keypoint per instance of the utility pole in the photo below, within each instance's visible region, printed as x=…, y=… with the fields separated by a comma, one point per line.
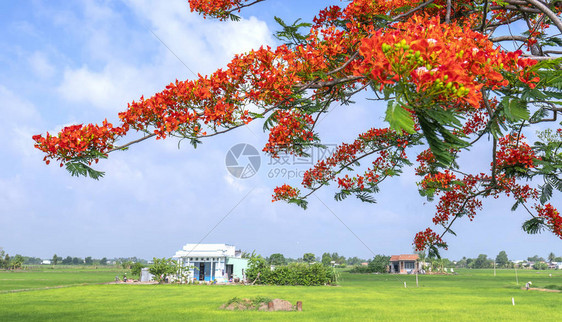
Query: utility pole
x=494, y=268
x=417, y=268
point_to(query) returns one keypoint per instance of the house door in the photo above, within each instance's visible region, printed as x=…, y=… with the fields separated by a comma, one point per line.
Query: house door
x=201, y=271
x=229, y=270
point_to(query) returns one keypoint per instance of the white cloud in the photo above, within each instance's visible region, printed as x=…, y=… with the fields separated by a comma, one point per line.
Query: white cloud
x=109, y=89
x=17, y=124
x=127, y=61
x=40, y=65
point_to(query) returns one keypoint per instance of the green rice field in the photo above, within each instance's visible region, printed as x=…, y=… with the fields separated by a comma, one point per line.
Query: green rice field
x=472, y=295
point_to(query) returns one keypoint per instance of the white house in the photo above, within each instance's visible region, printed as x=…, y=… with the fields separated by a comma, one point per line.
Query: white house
x=555, y=265
x=210, y=262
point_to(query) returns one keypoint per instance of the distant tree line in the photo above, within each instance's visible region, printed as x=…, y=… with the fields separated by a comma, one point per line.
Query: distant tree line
x=327, y=259
x=379, y=263
x=7, y=262
x=502, y=261
x=18, y=261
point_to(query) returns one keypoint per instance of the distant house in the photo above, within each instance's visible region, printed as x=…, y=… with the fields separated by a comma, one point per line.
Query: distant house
x=210, y=262
x=46, y=262
x=404, y=264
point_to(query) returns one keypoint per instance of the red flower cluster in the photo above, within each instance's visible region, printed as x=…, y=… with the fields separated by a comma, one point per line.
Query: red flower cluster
x=78, y=141
x=425, y=159
x=554, y=220
x=440, y=180
x=285, y=192
x=442, y=62
x=460, y=200
x=426, y=238
x=380, y=169
x=477, y=119
x=293, y=127
x=374, y=139
x=214, y=8
x=513, y=152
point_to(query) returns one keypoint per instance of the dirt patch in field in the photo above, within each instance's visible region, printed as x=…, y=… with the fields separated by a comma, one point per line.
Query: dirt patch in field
x=258, y=304
x=133, y=282
x=542, y=290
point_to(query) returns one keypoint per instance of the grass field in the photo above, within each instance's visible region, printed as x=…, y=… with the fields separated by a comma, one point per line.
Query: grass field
x=470, y=295
x=41, y=277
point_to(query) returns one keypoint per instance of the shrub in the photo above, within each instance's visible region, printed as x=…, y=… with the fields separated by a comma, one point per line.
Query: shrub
x=541, y=266
x=136, y=269
x=378, y=264
x=292, y=274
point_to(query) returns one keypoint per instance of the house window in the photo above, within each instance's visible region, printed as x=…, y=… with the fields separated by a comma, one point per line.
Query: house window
x=409, y=265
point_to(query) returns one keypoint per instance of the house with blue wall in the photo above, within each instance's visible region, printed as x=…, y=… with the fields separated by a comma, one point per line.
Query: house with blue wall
x=212, y=262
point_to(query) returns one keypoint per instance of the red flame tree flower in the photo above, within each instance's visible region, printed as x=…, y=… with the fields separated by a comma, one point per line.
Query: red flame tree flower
x=438, y=64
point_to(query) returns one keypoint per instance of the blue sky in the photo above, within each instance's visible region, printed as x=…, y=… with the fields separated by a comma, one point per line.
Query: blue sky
x=69, y=62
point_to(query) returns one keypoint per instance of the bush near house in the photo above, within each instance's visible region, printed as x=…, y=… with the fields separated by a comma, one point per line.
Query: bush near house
x=292, y=274
x=540, y=266
x=136, y=269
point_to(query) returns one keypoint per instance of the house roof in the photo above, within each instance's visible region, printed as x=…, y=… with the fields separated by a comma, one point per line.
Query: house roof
x=407, y=257
x=206, y=250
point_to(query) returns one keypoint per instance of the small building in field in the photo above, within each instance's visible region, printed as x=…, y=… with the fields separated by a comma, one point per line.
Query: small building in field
x=404, y=264
x=46, y=262
x=145, y=275
x=212, y=262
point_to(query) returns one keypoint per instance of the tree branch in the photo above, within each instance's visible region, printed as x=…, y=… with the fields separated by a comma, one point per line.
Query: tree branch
x=243, y=6
x=421, y=6
x=508, y=38
x=448, y=15
x=322, y=84
x=131, y=143
x=542, y=7
x=484, y=15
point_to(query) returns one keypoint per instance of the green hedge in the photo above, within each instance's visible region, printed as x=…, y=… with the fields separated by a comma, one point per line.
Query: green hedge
x=292, y=274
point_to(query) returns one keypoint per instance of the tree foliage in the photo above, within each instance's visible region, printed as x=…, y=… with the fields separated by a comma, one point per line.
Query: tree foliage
x=260, y=272
x=136, y=269
x=445, y=70
x=162, y=268
x=277, y=259
x=482, y=261
x=501, y=259
x=308, y=257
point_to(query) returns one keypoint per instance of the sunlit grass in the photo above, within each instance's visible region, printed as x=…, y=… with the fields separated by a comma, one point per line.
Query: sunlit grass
x=470, y=295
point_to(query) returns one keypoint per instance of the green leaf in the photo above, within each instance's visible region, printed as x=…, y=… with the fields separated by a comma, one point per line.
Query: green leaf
x=515, y=109
x=365, y=197
x=341, y=195
x=399, y=118
x=437, y=146
x=81, y=169
x=546, y=193
x=534, y=225
x=515, y=205
x=299, y=202
x=233, y=17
